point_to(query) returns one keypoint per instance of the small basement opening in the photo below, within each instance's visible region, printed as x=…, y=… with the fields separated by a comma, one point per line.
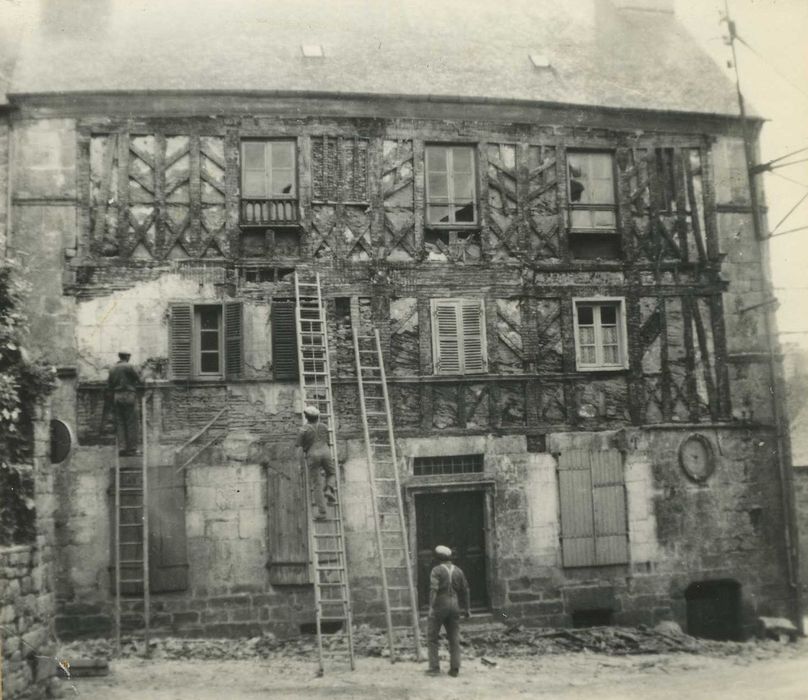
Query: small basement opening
x=598, y=617
x=327, y=627
x=714, y=610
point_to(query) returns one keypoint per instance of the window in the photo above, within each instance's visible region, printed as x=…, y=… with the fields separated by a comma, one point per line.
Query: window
x=453, y=464
x=600, y=334
x=205, y=340
x=592, y=498
x=268, y=183
x=284, y=340
x=451, y=194
x=591, y=191
x=458, y=336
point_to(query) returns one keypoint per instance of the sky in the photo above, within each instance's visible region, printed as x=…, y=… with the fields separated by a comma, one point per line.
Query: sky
x=774, y=77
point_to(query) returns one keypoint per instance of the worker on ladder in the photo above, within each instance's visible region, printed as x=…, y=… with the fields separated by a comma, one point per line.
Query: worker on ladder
x=315, y=455
x=123, y=384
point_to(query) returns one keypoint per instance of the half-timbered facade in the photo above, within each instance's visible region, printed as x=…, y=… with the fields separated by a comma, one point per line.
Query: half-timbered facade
x=565, y=281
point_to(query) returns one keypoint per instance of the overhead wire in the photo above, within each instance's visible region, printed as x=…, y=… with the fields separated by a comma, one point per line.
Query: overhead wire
x=774, y=68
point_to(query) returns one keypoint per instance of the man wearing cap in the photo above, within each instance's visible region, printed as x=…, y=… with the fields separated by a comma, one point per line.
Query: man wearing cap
x=315, y=454
x=122, y=386
x=447, y=586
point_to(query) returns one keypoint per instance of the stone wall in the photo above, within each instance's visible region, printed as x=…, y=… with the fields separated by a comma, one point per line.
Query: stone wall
x=800, y=481
x=4, y=165
x=27, y=602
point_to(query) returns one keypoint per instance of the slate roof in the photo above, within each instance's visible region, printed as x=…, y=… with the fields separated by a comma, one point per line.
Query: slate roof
x=459, y=48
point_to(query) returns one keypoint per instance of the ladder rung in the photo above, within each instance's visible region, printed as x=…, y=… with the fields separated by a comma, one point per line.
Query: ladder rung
x=131, y=561
x=131, y=544
x=329, y=568
x=332, y=618
x=130, y=524
x=131, y=488
x=336, y=534
x=398, y=588
x=130, y=507
x=328, y=551
x=131, y=580
x=330, y=585
x=400, y=608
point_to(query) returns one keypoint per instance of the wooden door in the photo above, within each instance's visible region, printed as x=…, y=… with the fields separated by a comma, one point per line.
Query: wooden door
x=456, y=520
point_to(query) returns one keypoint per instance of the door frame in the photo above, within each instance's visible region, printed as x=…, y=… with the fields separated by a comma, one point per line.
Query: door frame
x=484, y=485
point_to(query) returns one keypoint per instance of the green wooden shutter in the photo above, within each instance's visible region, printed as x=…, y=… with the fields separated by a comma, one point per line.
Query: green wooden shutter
x=609, y=507
x=474, y=345
x=445, y=337
x=577, y=520
x=180, y=334
x=287, y=536
x=284, y=340
x=594, y=529
x=168, y=543
x=233, y=342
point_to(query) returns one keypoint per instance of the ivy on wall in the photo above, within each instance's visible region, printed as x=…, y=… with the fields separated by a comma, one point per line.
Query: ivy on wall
x=23, y=383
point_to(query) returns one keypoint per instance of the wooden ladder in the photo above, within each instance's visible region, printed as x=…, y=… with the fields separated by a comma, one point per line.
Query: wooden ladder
x=132, y=600
x=327, y=557
x=400, y=601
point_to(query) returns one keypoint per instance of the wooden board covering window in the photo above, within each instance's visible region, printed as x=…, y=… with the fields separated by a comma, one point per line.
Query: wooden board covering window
x=287, y=536
x=284, y=340
x=168, y=543
x=458, y=336
x=594, y=529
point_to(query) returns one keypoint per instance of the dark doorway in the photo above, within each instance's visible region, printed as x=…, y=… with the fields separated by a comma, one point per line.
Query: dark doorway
x=456, y=520
x=714, y=610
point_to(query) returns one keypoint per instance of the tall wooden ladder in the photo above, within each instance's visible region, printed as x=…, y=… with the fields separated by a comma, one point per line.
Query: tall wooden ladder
x=400, y=601
x=329, y=564
x=131, y=541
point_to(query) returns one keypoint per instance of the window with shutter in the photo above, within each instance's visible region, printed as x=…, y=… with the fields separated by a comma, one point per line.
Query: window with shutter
x=205, y=340
x=458, y=336
x=284, y=340
x=180, y=340
x=592, y=497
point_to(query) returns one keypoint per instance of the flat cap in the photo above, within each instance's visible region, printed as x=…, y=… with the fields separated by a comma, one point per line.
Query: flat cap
x=312, y=411
x=442, y=552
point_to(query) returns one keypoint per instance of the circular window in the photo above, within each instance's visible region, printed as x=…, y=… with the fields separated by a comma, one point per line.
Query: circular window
x=697, y=458
x=61, y=441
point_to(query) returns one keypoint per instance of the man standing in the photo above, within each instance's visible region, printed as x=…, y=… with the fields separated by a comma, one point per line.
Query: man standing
x=122, y=385
x=447, y=586
x=315, y=455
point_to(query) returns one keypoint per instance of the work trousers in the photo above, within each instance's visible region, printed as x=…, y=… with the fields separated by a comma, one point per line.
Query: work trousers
x=125, y=404
x=322, y=476
x=448, y=617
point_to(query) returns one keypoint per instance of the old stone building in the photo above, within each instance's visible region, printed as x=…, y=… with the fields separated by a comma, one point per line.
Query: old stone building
x=543, y=208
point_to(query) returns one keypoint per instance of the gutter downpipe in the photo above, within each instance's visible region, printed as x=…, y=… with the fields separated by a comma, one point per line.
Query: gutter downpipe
x=778, y=395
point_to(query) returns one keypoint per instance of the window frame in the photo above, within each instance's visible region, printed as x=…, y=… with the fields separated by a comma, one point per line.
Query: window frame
x=458, y=303
x=196, y=341
x=268, y=170
x=451, y=202
x=593, y=207
x=622, y=334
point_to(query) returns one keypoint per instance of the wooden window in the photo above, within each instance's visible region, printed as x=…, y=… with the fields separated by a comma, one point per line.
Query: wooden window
x=591, y=191
x=284, y=340
x=205, y=340
x=458, y=336
x=600, y=334
x=339, y=169
x=451, y=191
x=592, y=496
x=452, y=464
x=268, y=183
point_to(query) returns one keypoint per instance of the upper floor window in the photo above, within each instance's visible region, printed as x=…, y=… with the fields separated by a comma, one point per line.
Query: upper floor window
x=268, y=182
x=205, y=340
x=591, y=191
x=451, y=193
x=600, y=334
x=458, y=336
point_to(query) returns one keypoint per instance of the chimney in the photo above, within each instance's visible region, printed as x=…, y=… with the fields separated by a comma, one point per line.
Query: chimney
x=664, y=6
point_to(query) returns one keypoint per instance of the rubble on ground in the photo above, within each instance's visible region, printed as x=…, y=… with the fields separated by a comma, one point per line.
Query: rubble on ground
x=487, y=642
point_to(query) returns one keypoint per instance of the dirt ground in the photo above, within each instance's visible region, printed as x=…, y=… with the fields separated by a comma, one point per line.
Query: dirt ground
x=758, y=671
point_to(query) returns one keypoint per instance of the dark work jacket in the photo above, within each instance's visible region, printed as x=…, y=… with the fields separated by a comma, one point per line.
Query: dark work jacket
x=451, y=590
x=123, y=377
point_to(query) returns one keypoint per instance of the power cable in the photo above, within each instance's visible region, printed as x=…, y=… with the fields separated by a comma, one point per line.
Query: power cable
x=786, y=177
x=772, y=66
x=790, y=212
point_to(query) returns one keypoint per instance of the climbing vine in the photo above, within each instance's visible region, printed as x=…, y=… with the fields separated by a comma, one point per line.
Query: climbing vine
x=23, y=383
